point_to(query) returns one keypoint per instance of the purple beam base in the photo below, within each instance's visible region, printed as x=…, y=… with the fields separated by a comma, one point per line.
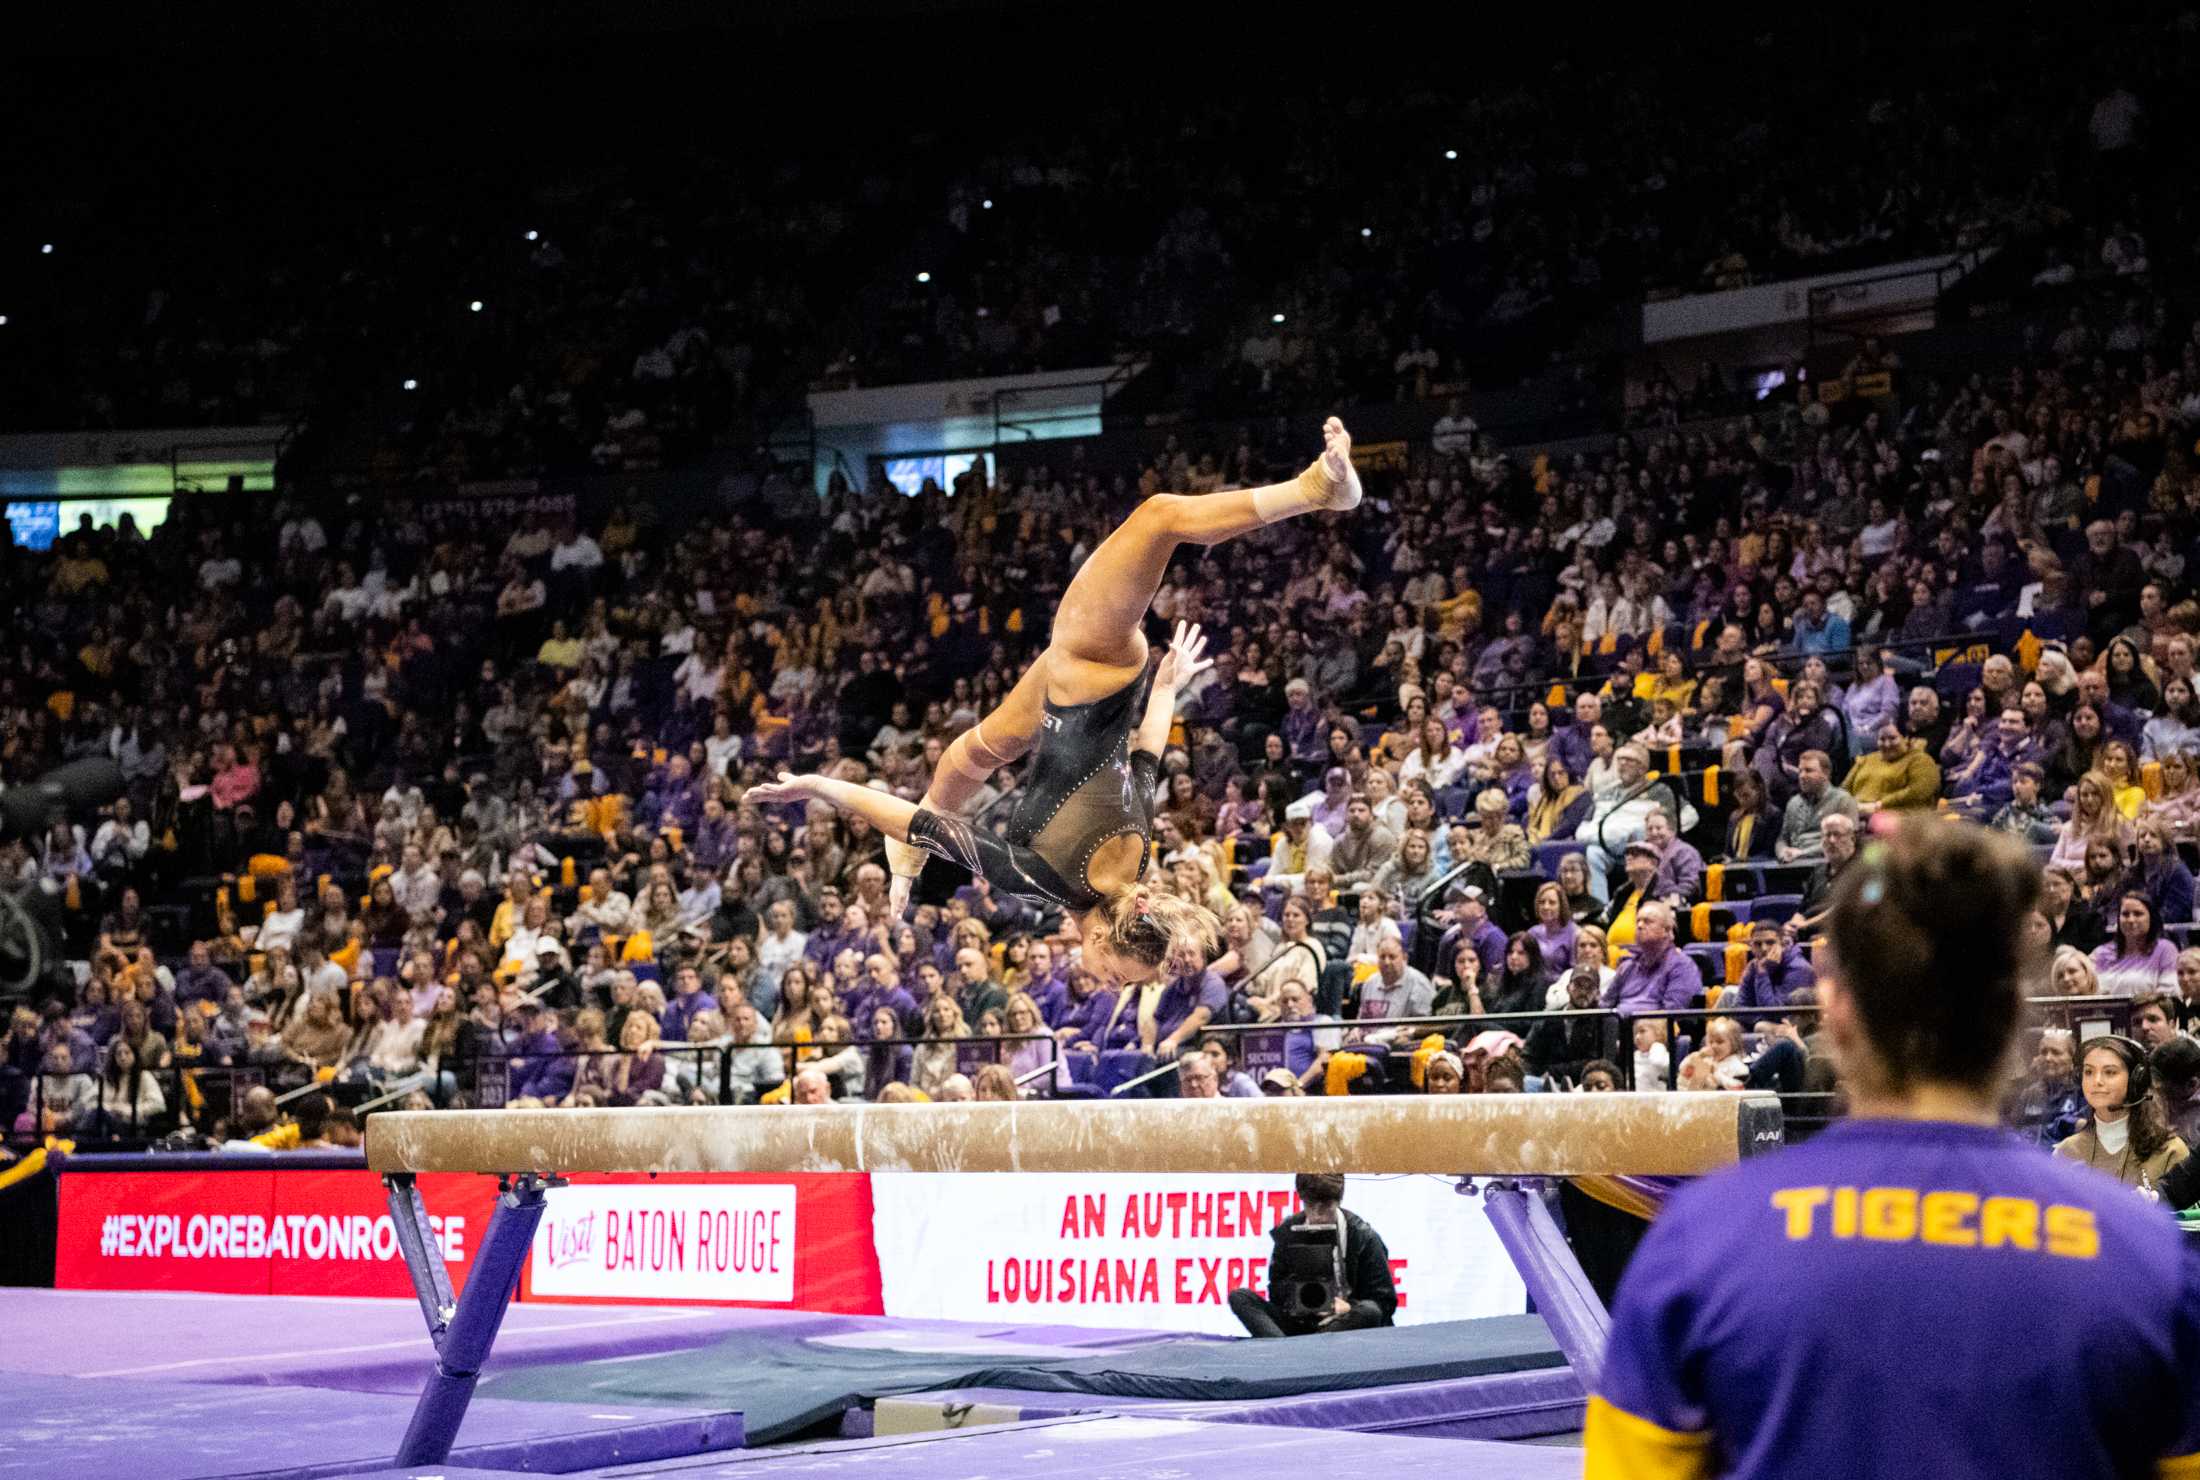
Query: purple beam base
x=1562, y=1293
x=462, y=1345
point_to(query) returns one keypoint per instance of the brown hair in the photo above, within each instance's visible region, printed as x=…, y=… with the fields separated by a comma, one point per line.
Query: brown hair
x=1922, y=940
x=1143, y=925
x=1320, y=1187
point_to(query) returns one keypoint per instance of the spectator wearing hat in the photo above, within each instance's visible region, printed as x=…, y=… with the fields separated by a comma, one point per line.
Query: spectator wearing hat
x=1470, y=908
x=1306, y=845
x=1281, y=1083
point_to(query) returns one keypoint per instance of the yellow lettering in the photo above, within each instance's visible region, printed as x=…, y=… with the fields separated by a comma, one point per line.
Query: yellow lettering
x=1801, y=1205
x=2010, y=1221
x=1844, y=1212
x=1942, y=1219
x=1890, y=1214
x=2071, y=1232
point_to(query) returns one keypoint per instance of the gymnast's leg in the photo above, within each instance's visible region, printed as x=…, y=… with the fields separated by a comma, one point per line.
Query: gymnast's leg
x=1097, y=625
x=970, y=759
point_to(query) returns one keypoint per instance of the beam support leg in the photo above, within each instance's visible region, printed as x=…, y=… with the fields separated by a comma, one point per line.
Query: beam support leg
x=1562, y=1293
x=462, y=1346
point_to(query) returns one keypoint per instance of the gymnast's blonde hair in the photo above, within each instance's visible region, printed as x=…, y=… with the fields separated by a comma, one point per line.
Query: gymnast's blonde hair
x=1145, y=924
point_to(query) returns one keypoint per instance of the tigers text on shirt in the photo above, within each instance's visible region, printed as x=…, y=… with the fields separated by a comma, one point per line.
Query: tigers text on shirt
x=1904, y=1298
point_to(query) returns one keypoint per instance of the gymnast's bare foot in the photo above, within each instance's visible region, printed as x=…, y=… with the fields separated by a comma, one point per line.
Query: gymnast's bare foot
x=1342, y=480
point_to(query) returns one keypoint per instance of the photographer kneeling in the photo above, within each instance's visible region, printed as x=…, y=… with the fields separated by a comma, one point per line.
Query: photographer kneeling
x=1330, y=1270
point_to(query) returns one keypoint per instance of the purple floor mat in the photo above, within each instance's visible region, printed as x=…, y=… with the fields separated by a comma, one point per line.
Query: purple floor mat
x=382, y=1346
x=69, y=1427
x=1504, y=1405
x=1131, y=1448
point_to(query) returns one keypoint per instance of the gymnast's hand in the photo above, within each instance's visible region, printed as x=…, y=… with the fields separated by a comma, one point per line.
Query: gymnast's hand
x=1182, y=662
x=788, y=788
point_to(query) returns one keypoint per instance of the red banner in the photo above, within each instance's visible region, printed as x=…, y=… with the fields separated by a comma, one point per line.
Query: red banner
x=277, y=1232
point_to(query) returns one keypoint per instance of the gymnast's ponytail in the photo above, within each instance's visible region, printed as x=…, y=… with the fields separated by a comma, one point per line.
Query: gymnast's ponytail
x=1144, y=924
x=1927, y=939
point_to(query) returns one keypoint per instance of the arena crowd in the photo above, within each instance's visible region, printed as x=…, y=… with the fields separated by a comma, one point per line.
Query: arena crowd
x=1536, y=774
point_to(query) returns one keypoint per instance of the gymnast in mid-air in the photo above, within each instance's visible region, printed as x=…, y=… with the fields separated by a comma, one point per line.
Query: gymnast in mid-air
x=1080, y=832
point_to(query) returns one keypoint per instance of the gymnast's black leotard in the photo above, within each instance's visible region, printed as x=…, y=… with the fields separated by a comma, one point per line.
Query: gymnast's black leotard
x=1086, y=786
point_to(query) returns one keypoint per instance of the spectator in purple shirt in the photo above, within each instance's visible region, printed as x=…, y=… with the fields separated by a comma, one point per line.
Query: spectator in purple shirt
x=833, y=932
x=1571, y=744
x=688, y=1000
x=1678, y=879
x=882, y=988
x=1658, y=977
x=1193, y=998
x=1046, y=984
x=1472, y=911
x=1085, y=1021
x=59, y=1030
x=201, y=980
x=1776, y=970
x=1235, y=1083
x=540, y=1067
x=712, y=848
x=1305, y=728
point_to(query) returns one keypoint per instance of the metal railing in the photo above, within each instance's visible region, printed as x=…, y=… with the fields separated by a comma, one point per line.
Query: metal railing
x=196, y=1096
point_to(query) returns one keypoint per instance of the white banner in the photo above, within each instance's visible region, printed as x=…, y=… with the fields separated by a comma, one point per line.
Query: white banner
x=637, y=1241
x=1159, y=1252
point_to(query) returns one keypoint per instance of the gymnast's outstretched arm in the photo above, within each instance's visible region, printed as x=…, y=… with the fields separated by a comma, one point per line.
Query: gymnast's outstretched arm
x=888, y=813
x=1179, y=666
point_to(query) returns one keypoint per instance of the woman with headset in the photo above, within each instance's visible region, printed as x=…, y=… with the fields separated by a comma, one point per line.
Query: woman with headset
x=1913, y=1291
x=2127, y=1135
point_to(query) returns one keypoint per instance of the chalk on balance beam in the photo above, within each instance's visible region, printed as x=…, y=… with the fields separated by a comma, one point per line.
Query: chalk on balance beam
x=1656, y=1134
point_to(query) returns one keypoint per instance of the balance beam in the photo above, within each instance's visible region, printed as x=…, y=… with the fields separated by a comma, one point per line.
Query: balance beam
x=1656, y=1134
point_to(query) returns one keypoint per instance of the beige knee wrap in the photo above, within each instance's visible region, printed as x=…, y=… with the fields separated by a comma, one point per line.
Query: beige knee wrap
x=973, y=759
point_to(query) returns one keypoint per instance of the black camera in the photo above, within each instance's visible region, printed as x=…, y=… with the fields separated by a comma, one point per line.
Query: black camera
x=1307, y=1275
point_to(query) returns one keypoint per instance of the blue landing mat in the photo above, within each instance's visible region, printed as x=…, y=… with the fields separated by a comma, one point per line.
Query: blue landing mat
x=788, y=1387
x=69, y=1428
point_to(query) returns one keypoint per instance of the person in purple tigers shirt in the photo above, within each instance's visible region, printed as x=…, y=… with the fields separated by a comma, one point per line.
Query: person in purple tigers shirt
x=1193, y=998
x=1914, y=1291
x=1658, y=977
